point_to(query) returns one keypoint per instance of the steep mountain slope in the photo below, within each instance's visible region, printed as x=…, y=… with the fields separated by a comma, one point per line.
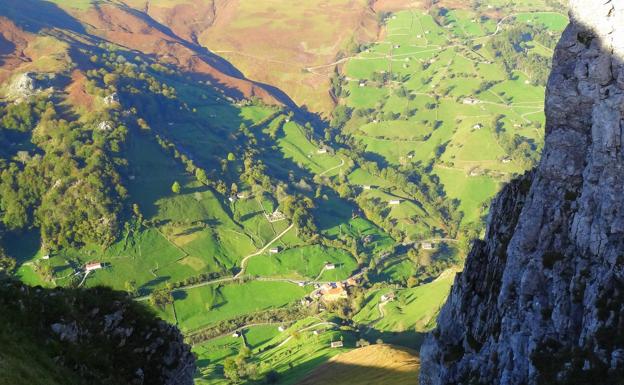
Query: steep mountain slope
x=129, y=28
x=292, y=48
x=540, y=300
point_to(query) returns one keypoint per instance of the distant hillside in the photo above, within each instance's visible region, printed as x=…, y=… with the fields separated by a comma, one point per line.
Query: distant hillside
x=370, y=365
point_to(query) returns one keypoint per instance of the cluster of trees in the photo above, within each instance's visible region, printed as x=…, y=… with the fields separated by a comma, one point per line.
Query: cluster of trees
x=7, y=264
x=161, y=297
x=519, y=147
x=511, y=47
x=67, y=184
x=383, y=78
x=298, y=208
x=377, y=114
x=241, y=367
x=281, y=315
x=337, y=85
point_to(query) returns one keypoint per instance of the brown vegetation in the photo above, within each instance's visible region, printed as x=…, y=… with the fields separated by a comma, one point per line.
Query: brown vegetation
x=370, y=365
x=13, y=42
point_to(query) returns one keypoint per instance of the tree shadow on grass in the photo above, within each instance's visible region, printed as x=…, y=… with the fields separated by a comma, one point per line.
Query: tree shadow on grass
x=148, y=287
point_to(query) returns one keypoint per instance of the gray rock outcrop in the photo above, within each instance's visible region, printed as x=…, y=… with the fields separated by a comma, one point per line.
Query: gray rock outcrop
x=541, y=299
x=100, y=335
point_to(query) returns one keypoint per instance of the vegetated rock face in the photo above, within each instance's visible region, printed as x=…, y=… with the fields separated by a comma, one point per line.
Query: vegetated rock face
x=99, y=334
x=541, y=299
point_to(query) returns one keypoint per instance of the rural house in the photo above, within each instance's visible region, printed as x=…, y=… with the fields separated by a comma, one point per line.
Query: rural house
x=329, y=266
x=93, y=266
x=336, y=344
x=335, y=293
x=388, y=297
x=395, y=202
x=274, y=250
x=427, y=246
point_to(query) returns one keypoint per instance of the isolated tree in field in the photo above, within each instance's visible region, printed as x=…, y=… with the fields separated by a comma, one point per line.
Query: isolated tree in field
x=131, y=287
x=176, y=188
x=161, y=297
x=200, y=174
x=231, y=157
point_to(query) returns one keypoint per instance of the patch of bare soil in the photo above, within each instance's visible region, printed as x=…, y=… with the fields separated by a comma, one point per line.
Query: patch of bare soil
x=76, y=92
x=397, y=5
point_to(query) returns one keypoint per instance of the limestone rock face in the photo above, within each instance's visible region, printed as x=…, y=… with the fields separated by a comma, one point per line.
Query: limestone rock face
x=541, y=299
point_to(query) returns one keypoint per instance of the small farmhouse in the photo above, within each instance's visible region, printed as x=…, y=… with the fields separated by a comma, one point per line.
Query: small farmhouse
x=335, y=294
x=329, y=266
x=336, y=344
x=388, y=297
x=93, y=266
x=274, y=250
x=395, y=202
x=427, y=246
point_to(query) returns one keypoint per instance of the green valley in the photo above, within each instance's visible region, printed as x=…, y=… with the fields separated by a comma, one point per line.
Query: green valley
x=142, y=149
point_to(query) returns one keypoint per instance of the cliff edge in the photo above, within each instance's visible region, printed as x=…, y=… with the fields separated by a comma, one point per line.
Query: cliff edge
x=94, y=336
x=541, y=298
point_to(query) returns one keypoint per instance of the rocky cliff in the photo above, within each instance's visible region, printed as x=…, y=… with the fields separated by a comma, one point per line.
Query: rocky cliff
x=541, y=299
x=86, y=336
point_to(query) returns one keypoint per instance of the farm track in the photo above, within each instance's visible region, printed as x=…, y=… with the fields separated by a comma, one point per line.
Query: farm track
x=303, y=330
x=342, y=162
x=262, y=250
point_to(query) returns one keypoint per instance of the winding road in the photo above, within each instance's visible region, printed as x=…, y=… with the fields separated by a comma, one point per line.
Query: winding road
x=262, y=250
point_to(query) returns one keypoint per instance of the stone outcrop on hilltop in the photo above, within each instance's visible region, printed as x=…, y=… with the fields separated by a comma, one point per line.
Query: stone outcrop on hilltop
x=541, y=298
